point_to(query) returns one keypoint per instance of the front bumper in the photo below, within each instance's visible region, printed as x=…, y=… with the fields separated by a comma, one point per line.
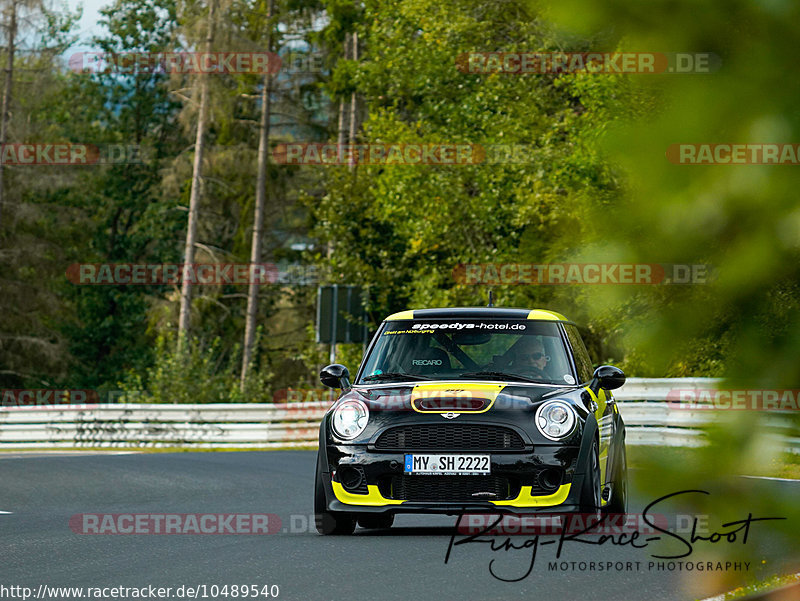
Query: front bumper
x=377, y=493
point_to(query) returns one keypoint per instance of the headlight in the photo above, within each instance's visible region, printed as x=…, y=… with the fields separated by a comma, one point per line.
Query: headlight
x=556, y=420
x=349, y=419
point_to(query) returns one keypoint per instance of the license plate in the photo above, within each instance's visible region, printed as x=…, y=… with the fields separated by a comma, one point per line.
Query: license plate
x=448, y=465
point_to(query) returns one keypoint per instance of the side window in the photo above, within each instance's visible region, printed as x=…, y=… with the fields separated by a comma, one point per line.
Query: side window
x=582, y=360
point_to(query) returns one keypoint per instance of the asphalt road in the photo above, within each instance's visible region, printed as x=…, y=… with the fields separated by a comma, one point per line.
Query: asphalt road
x=41, y=493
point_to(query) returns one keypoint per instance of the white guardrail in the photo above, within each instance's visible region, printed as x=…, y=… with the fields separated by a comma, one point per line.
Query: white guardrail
x=649, y=421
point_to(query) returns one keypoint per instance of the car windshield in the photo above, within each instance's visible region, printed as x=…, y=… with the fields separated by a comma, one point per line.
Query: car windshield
x=468, y=349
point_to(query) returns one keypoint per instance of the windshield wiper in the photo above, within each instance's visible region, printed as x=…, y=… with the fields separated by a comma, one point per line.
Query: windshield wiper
x=393, y=375
x=499, y=374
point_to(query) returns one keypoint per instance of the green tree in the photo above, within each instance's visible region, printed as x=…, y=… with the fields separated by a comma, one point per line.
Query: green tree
x=125, y=216
x=34, y=232
x=404, y=228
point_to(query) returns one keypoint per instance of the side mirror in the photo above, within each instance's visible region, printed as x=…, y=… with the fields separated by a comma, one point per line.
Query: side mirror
x=335, y=376
x=607, y=377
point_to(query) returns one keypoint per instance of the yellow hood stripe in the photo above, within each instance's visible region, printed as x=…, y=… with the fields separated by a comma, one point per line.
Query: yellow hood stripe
x=457, y=390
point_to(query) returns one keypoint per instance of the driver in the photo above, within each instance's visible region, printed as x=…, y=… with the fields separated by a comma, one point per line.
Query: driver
x=529, y=356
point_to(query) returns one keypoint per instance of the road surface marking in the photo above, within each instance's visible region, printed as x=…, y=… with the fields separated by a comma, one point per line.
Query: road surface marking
x=770, y=478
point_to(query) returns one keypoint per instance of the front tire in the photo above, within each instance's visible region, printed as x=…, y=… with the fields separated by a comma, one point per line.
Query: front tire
x=619, y=485
x=329, y=522
x=590, y=495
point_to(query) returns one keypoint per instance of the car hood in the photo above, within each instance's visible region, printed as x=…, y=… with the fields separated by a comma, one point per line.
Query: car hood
x=457, y=396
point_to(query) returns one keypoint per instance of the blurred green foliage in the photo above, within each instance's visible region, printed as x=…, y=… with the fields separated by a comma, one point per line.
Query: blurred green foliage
x=195, y=373
x=744, y=220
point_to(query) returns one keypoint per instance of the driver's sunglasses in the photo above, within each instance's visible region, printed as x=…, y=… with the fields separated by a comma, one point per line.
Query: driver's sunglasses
x=532, y=356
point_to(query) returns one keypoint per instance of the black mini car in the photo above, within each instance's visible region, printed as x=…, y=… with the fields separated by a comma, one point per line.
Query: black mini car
x=488, y=410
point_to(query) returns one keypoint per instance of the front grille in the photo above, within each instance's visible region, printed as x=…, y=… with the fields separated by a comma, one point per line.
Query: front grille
x=449, y=488
x=464, y=437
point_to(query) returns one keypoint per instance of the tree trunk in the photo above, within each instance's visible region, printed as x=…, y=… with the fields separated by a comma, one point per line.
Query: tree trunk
x=12, y=31
x=197, y=182
x=258, y=217
x=341, y=131
x=353, y=108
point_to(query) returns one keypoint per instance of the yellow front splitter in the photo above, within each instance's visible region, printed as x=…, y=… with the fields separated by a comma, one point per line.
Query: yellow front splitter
x=374, y=498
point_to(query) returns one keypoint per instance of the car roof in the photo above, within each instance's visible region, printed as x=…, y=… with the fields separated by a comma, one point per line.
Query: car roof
x=478, y=312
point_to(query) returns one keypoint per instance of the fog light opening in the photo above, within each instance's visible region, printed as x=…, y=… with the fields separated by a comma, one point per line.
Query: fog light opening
x=551, y=478
x=350, y=477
